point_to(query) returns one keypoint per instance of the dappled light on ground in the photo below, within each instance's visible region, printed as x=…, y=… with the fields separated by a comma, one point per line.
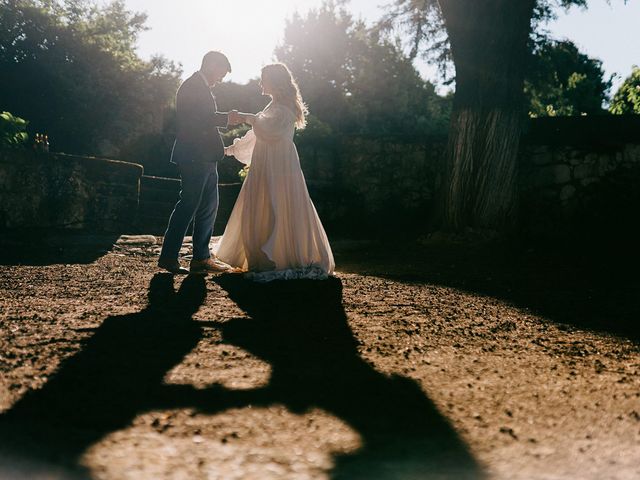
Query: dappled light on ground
x=212, y=363
x=265, y=443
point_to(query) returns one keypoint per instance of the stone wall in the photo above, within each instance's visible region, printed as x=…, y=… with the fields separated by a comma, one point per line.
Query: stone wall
x=372, y=183
x=574, y=172
x=39, y=190
x=158, y=196
x=579, y=173
x=562, y=182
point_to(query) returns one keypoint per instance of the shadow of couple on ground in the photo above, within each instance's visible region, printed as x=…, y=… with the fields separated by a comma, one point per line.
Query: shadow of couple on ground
x=299, y=327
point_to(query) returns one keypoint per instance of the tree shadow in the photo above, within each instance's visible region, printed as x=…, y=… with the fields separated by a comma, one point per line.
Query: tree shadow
x=115, y=376
x=592, y=285
x=37, y=247
x=301, y=329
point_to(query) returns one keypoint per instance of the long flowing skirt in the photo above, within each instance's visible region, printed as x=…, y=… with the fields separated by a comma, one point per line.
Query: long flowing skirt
x=274, y=231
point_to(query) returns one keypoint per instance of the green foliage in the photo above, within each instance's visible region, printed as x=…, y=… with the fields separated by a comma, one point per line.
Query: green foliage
x=245, y=98
x=70, y=66
x=356, y=81
x=12, y=130
x=421, y=26
x=627, y=99
x=243, y=172
x=316, y=129
x=152, y=151
x=235, y=132
x=562, y=81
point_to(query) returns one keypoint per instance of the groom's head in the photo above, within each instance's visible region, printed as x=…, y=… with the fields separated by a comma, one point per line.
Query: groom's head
x=215, y=66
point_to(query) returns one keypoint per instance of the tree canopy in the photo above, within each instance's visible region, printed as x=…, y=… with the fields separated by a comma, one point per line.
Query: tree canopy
x=12, y=130
x=355, y=80
x=71, y=69
x=422, y=27
x=627, y=99
x=562, y=81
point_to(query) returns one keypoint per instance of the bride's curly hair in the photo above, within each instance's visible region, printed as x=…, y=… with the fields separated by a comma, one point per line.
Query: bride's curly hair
x=286, y=90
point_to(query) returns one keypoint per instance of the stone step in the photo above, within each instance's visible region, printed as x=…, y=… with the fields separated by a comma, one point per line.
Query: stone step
x=159, y=182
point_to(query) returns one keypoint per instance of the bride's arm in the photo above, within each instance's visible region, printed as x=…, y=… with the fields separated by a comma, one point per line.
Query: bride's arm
x=271, y=124
x=242, y=148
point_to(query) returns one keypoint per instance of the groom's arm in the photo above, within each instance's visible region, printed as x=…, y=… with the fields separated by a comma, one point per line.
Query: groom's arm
x=220, y=119
x=194, y=110
x=214, y=117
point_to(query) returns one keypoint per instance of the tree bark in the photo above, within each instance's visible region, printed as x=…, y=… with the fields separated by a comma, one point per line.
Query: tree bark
x=489, y=47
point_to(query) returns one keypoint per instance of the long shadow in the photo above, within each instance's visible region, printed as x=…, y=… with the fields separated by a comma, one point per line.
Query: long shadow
x=46, y=247
x=301, y=329
x=586, y=285
x=115, y=376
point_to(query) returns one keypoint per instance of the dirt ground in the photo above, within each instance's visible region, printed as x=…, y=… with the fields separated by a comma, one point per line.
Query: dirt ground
x=419, y=360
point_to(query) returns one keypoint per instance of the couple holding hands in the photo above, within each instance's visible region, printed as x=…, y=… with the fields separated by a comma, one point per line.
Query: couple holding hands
x=274, y=231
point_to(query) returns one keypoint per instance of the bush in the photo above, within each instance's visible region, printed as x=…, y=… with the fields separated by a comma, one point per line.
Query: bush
x=12, y=130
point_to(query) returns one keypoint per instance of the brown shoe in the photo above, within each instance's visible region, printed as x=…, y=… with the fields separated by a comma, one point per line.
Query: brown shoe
x=173, y=266
x=208, y=265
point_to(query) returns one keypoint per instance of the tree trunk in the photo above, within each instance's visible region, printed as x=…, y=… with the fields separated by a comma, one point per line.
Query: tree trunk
x=489, y=46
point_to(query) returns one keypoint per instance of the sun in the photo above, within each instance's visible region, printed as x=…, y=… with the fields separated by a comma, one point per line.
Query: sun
x=246, y=32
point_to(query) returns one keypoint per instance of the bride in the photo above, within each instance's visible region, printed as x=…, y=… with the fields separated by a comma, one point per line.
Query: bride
x=274, y=231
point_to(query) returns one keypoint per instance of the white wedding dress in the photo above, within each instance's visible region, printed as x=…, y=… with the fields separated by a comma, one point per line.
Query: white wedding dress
x=274, y=231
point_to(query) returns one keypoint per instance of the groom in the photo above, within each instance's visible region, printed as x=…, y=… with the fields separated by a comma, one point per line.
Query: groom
x=196, y=151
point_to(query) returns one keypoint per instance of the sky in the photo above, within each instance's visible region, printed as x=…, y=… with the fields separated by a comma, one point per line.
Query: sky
x=247, y=31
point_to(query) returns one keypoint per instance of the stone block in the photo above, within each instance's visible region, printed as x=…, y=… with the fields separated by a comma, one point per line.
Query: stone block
x=567, y=192
x=552, y=175
x=632, y=153
x=591, y=158
x=562, y=155
x=588, y=181
x=605, y=164
x=584, y=171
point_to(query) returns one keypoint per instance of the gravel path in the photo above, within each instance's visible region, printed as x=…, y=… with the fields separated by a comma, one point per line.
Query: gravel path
x=428, y=363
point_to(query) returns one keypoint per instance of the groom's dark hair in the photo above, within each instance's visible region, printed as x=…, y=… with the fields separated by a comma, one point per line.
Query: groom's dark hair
x=215, y=58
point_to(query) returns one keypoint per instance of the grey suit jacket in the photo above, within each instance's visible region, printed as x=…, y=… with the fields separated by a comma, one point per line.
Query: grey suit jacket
x=197, y=136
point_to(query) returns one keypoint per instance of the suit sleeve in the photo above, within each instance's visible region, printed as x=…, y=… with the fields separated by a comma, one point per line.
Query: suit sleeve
x=194, y=110
x=220, y=119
